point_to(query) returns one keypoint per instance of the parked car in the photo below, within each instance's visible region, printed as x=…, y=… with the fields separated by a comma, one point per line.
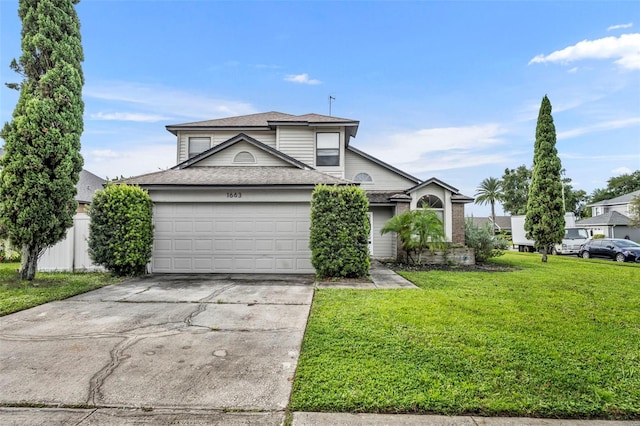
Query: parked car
x=613, y=248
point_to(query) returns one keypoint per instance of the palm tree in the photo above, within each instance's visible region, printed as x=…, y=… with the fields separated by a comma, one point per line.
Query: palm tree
x=489, y=191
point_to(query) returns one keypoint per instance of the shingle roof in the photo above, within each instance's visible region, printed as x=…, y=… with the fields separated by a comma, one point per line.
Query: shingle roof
x=265, y=121
x=623, y=199
x=384, y=197
x=236, y=176
x=502, y=222
x=460, y=198
x=87, y=185
x=607, y=219
x=383, y=164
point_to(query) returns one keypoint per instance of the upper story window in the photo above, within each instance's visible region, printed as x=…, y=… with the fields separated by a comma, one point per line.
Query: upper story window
x=198, y=145
x=327, y=149
x=244, y=157
x=363, y=178
x=432, y=202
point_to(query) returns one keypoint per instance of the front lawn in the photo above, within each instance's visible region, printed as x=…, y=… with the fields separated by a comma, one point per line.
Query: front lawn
x=16, y=295
x=560, y=339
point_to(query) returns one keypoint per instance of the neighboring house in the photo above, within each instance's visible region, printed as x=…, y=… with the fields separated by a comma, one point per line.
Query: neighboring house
x=239, y=198
x=72, y=253
x=611, y=218
x=502, y=224
x=87, y=185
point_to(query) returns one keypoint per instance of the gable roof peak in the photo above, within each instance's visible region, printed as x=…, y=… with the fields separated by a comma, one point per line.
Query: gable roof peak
x=242, y=137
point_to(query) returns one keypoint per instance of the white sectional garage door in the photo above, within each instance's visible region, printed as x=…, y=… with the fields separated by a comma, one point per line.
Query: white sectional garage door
x=231, y=238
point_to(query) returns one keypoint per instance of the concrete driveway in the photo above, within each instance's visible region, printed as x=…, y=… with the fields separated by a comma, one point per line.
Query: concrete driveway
x=160, y=349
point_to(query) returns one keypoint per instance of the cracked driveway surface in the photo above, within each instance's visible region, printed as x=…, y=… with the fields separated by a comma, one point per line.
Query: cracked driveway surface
x=209, y=342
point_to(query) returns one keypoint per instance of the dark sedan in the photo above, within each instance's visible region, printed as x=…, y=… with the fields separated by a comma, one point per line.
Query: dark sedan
x=611, y=248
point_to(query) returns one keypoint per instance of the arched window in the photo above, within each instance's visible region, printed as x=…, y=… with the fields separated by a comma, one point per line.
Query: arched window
x=432, y=202
x=244, y=157
x=363, y=178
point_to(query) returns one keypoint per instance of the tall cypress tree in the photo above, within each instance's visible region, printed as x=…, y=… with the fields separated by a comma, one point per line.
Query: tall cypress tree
x=544, y=221
x=42, y=159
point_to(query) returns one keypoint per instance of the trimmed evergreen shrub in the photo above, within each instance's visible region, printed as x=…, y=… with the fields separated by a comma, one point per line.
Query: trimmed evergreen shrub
x=121, y=229
x=339, y=239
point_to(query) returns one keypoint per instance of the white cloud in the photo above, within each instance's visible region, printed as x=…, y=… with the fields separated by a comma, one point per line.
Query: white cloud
x=267, y=66
x=127, y=116
x=302, y=79
x=132, y=161
x=599, y=127
x=104, y=153
x=435, y=162
x=162, y=101
x=573, y=70
x=623, y=49
x=621, y=171
x=440, y=148
x=620, y=26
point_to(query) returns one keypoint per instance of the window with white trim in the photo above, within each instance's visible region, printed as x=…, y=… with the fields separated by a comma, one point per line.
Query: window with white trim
x=363, y=177
x=432, y=202
x=327, y=149
x=198, y=145
x=244, y=157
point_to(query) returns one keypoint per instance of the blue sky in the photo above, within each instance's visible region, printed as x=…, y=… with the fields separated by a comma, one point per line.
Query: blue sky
x=441, y=89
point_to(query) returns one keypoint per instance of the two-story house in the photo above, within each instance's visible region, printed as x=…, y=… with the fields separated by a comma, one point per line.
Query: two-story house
x=239, y=198
x=611, y=217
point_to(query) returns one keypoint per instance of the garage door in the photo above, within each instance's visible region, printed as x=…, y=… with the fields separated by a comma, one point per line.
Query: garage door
x=231, y=238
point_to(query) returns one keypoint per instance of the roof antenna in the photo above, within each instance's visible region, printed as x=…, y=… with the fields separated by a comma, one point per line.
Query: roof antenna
x=331, y=98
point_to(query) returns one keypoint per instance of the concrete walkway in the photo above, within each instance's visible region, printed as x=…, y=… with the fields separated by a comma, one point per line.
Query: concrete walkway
x=381, y=278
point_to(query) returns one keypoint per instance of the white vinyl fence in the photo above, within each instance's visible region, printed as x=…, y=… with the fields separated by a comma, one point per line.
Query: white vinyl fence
x=72, y=253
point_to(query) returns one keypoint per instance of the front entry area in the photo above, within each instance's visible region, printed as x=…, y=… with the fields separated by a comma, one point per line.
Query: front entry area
x=232, y=237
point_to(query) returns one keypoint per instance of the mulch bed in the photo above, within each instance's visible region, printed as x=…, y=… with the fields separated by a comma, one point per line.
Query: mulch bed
x=480, y=267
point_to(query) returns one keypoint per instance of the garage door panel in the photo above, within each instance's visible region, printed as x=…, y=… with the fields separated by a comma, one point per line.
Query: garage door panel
x=263, y=245
x=202, y=225
x=264, y=264
x=203, y=264
x=285, y=264
x=203, y=245
x=183, y=245
x=162, y=263
x=244, y=226
x=181, y=263
x=163, y=226
x=222, y=263
x=221, y=245
x=232, y=237
x=264, y=226
x=285, y=245
x=183, y=226
x=162, y=244
x=246, y=245
x=222, y=226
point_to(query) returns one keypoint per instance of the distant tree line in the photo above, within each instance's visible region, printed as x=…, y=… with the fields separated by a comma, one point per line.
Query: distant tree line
x=512, y=190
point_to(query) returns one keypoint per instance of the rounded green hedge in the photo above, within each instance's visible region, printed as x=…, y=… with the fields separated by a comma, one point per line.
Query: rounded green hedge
x=339, y=239
x=121, y=229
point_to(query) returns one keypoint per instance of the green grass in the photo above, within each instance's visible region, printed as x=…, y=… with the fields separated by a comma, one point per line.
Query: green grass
x=560, y=339
x=16, y=295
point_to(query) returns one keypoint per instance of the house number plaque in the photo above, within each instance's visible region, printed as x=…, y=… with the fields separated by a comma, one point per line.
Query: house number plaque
x=234, y=194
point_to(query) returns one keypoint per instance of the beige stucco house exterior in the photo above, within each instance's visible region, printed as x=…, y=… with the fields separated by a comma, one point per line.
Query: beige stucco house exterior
x=238, y=199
